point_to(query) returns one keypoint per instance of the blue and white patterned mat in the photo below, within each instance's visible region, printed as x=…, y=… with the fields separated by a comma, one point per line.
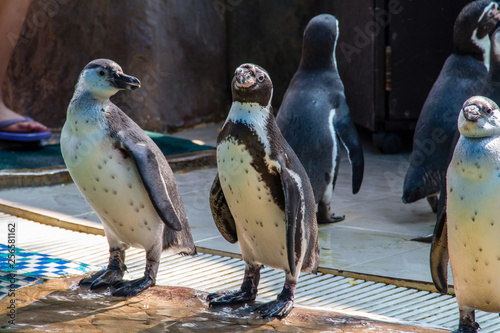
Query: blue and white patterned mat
x=10, y=282
x=31, y=268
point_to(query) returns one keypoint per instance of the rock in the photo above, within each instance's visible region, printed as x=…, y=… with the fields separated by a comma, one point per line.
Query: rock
x=59, y=305
x=176, y=48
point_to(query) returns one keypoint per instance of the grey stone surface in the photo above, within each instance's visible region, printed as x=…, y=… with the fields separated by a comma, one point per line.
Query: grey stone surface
x=176, y=48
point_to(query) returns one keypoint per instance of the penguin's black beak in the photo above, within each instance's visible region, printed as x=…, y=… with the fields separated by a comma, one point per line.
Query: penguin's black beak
x=124, y=81
x=472, y=113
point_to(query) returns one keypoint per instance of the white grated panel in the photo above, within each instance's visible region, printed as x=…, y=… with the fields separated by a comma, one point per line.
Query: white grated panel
x=212, y=273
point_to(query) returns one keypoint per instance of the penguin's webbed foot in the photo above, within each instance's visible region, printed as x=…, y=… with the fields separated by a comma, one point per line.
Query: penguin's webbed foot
x=423, y=239
x=325, y=217
x=109, y=276
x=279, y=308
x=336, y=218
x=466, y=328
x=230, y=297
x=105, y=278
x=133, y=287
x=467, y=323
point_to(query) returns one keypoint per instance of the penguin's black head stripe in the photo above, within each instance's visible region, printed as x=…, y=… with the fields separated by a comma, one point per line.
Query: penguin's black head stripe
x=105, y=64
x=92, y=66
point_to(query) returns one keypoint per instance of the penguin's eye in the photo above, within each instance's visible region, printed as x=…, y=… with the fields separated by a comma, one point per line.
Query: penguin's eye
x=487, y=111
x=260, y=78
x=101, y=73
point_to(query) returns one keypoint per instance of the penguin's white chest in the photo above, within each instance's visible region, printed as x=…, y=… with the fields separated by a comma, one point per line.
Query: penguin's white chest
x=111, y=184
x=260, y=222
x=473, y=217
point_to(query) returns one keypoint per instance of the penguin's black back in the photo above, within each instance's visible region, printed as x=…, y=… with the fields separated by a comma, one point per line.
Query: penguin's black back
x=491, y=88
x=459, y=79
x=303, y=120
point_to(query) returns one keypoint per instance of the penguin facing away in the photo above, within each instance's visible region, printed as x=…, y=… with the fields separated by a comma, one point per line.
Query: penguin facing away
x=462, y=74
x=124, y=177
x=468, y=237
x=314, y=115
x=261, y=196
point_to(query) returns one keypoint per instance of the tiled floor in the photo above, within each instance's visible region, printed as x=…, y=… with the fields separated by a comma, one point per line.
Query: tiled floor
x=39, y=265
x=374, y=238
x=9, y=282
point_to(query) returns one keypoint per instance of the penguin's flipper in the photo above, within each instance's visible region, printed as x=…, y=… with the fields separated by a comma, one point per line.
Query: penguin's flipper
x=439, y=248
x=293, y=213
x=346, y=131
x=149, y=169
x=220, y=211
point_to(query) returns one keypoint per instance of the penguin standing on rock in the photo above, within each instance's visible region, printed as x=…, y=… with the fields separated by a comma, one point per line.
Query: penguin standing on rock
x=314, y=114
x=261, y=196
x=462, y=74
x=468, y=238
x=124, y=177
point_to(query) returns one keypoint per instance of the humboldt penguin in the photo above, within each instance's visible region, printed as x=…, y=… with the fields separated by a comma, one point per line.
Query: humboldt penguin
x=124, y=177
x=468, y=236
x=314, y=115
x=462, y=74
x=261, y=196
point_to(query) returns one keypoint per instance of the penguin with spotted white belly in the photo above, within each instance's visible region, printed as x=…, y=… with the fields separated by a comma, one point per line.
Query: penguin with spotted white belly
x=462, y=75
x=261, y=196
x=314, y=114
x=468, y=237
x=124, y=177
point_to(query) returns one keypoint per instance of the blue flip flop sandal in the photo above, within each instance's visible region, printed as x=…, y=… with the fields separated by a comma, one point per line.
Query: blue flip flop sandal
x=23, y=137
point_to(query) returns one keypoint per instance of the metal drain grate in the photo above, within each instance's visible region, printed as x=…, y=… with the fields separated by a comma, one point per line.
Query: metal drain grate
x=210, y=273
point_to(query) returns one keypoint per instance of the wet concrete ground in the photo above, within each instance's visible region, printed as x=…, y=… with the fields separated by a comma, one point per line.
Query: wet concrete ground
x=60, y=306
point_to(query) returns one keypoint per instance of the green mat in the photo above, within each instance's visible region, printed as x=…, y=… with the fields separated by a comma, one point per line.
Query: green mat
x=50, y=156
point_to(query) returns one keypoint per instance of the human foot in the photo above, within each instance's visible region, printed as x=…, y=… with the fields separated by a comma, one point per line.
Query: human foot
x=15, y=123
